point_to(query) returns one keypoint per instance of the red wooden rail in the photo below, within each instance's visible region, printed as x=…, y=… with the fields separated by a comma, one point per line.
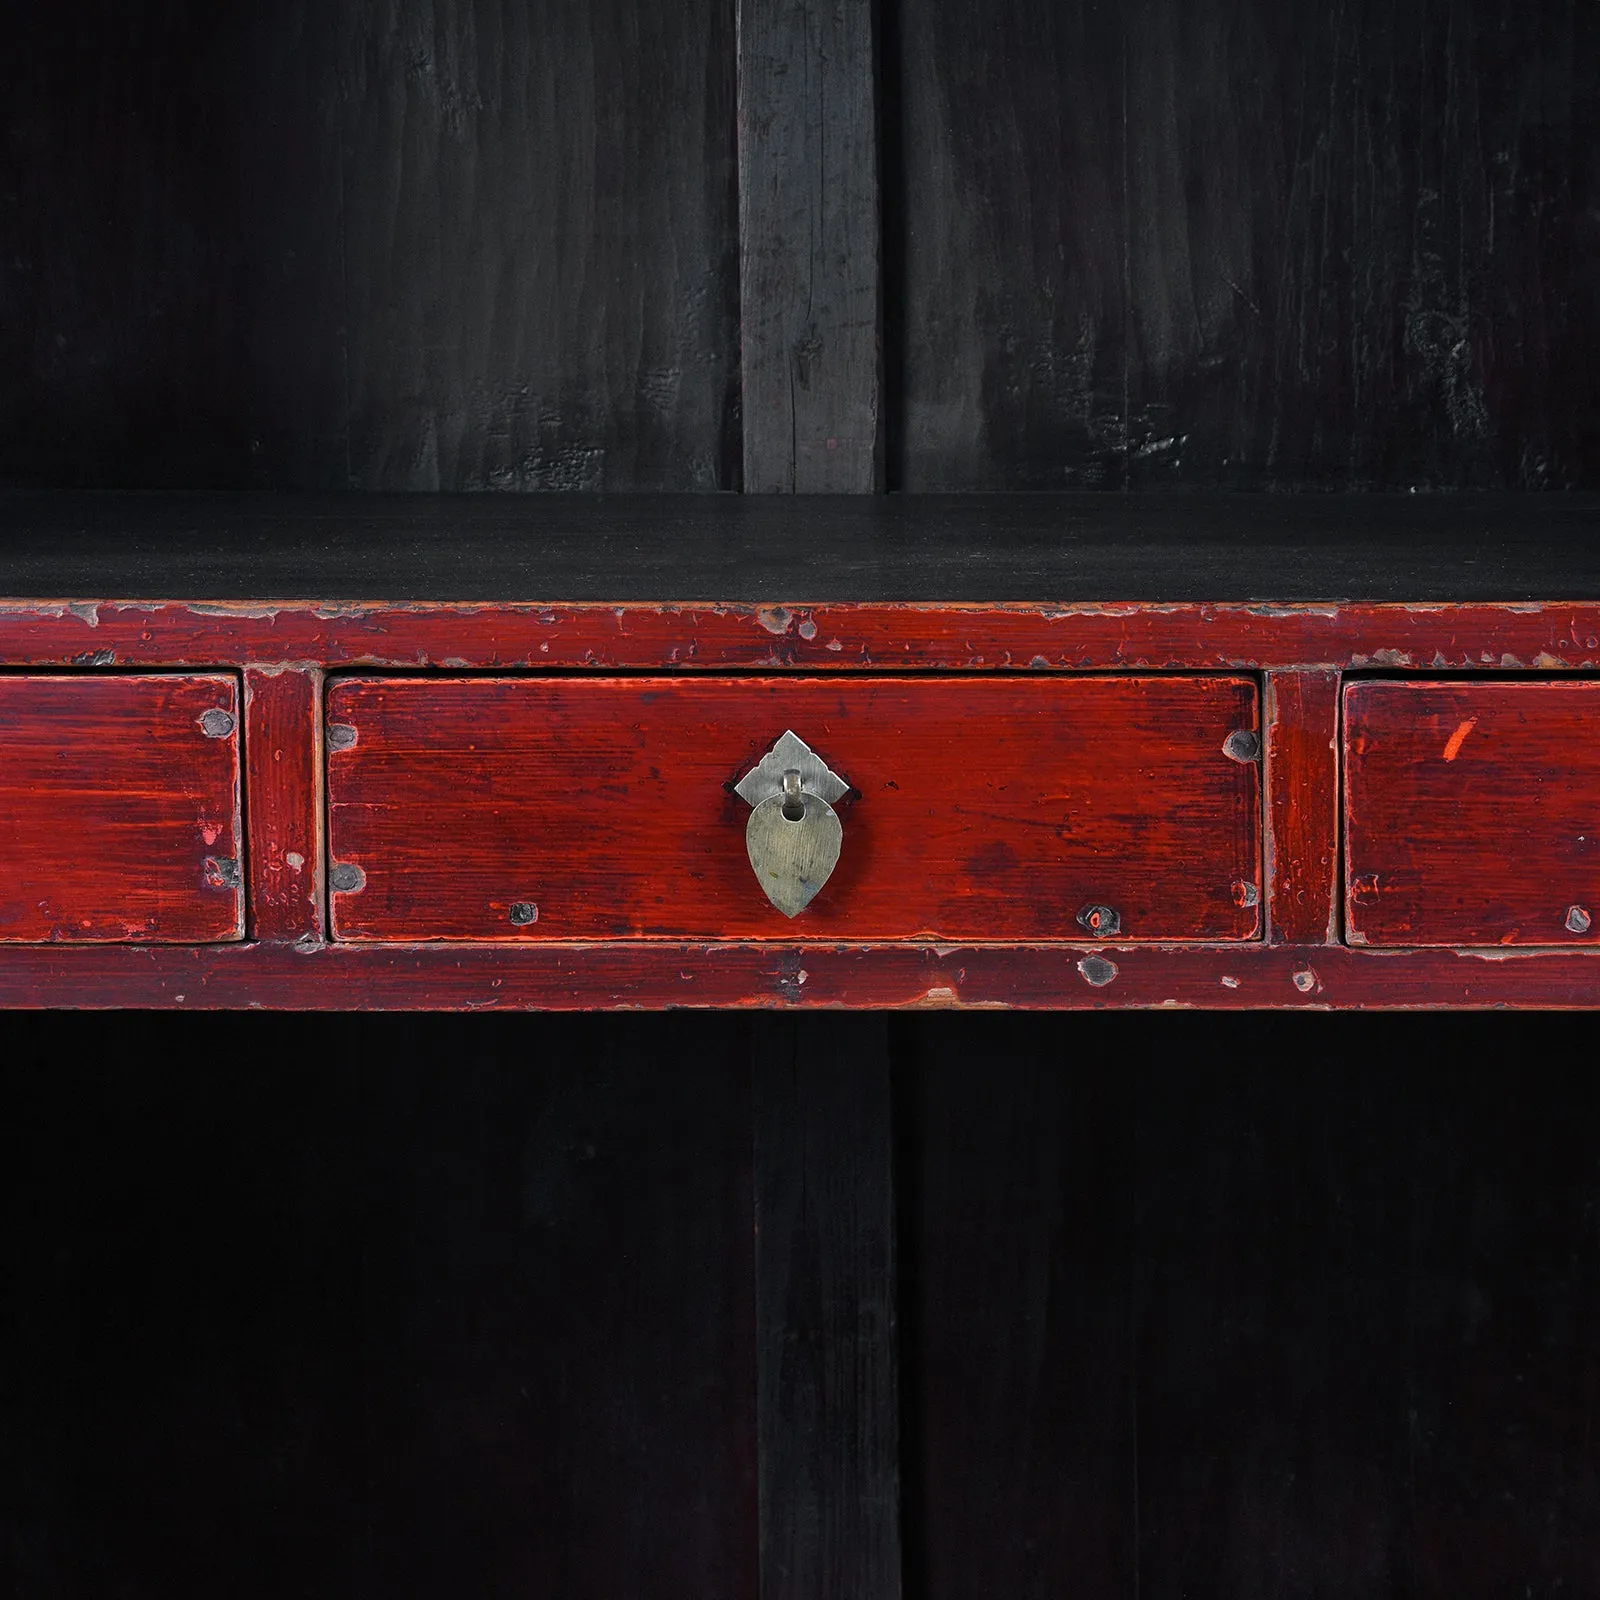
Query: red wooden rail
x=654, y=974
x=1543, y=636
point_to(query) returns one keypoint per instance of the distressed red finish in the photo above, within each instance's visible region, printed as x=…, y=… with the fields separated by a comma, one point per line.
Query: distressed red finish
x=109, y=788
x=283, y=755
x=982, y=807
x=1473, y=813
x=120, y=809
x=876, y=637
x=650, y=973
x=1302, y=756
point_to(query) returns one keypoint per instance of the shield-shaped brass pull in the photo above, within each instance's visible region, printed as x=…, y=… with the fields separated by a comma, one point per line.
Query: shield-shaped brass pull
x=794, y=835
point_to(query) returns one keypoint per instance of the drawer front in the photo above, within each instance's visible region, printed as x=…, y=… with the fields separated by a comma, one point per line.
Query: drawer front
x=1472, y=813
x=119, y=809
x=979, y=809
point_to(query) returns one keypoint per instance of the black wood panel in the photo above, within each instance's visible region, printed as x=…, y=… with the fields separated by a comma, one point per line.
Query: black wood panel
x=410, y=244
x=827, y=1369
x=809, y=271
x=1014, y=1157
x=1073, y=547
x=1305, y=1307
x=1276, y=243
x=376, y=1307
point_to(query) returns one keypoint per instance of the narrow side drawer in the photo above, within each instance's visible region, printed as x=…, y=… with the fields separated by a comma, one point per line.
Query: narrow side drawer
x=119, y=809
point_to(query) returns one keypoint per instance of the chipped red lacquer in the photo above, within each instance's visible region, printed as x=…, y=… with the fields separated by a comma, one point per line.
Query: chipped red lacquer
x=1473, y=813
x=655, y=974
x=1302, y=756
x=119, y=809
x=981, y=808
x=875, y=637
x=1300, y=651
x=283, y=743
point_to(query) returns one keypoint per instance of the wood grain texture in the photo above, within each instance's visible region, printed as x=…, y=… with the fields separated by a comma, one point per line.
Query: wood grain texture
x=120, y=809
x=540, y=236
x=984, y=809
x=283, y=765
x=827, y=1396
x=847, y=639
x=1302, y=783
x=812, y=419
x=1247, y=243
x=416, y=244
x=808, y=247
x=1470, y=813
x=661, y=974
x=405, y=1307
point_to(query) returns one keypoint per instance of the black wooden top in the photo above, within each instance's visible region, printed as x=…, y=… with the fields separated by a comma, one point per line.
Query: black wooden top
x=1073, y=547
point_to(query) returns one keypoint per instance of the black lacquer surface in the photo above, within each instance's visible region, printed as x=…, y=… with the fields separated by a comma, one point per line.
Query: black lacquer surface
x=1003, y=548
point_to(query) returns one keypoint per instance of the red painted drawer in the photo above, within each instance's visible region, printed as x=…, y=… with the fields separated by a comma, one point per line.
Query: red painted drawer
x=119, y=809
x=1472, y=813
x=980, y=809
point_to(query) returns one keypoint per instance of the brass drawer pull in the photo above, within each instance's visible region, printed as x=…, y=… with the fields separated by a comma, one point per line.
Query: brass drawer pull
x=794, y=835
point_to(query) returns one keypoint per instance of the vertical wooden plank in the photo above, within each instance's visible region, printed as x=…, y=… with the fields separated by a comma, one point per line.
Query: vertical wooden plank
x=827, y=1368
x=283, y=803
x=1270, y=1268
x=809, y=247
x=1302, y=778
x=826, y=1401
x=1018, y=1344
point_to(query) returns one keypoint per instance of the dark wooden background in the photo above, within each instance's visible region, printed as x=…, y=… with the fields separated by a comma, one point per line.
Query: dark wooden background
x=470, y=244
x=375, y=244
x=1289, y=244
x=1188, y=1307
x=390, y=1306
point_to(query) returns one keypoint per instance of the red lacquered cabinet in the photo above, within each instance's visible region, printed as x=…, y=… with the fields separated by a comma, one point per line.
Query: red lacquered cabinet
x=461, y=799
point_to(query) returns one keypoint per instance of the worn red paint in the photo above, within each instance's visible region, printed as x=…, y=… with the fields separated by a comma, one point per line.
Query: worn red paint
x=283, y=743
x=1492, y=839
x=1455, y=838
x=655, y=974
x=1302, y=759
x=877, y=637
x=120, y=809
x=984, y=807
